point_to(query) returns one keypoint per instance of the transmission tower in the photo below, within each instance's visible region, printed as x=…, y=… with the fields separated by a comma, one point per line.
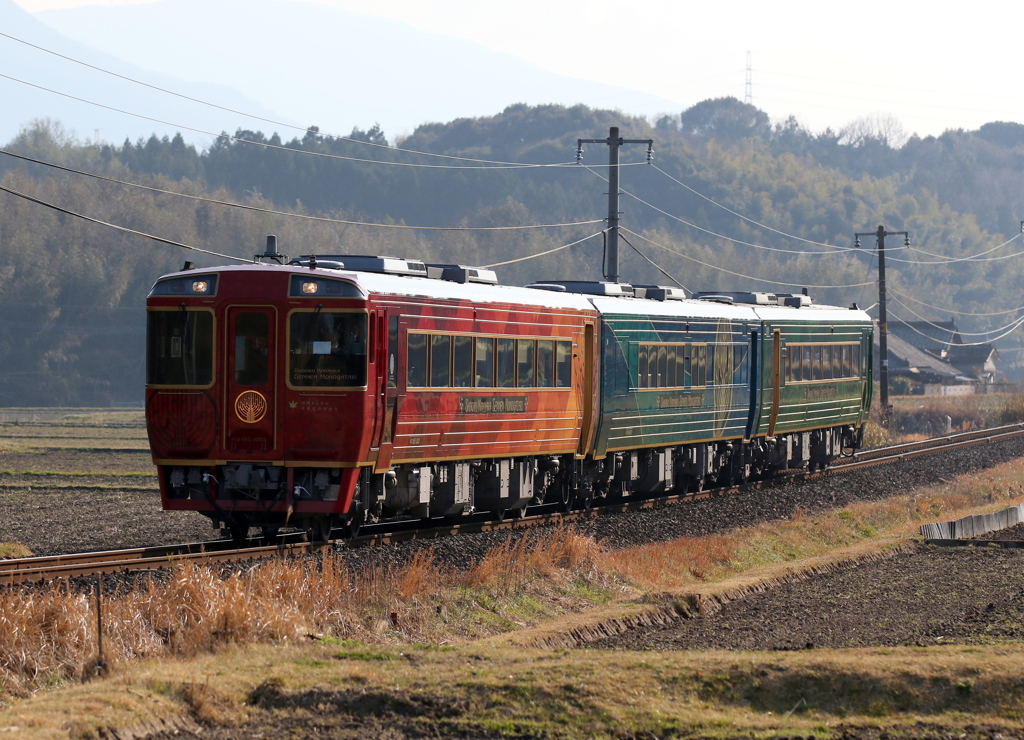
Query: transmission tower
x=748, y=96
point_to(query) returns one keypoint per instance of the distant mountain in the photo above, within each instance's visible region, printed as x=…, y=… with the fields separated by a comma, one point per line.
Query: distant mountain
x=23, y=103
x=328, y=67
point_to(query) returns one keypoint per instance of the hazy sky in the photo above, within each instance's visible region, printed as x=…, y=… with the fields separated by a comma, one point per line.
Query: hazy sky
x=825, y=63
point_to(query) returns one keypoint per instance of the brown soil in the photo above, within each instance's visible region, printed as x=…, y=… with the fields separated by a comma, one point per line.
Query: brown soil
x=931, y=595
x=77, y=461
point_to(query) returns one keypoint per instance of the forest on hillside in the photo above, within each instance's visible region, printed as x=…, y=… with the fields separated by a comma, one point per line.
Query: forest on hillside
x=730, y=202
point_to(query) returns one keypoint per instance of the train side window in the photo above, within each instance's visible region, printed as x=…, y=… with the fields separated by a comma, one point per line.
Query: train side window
x=816, y=362
x=684, y=370
x=440, y=361
x=463, y=362
x=506, y=363
x=739, y=364
x=846, y=361
x=563, y=364
x=826, y=362
x=416, y=358
x=484, y=362
x=837, y=365
x=661, y=379
x=641, y=366
x=545, y=363
x=670, y=364
x=795, y=353
x=857, y=370
x=805, y=364
x=526, y=350
x=698, y=367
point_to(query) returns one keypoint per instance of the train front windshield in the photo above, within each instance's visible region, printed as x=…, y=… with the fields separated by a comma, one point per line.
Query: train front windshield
x=327, y=349
x=179, y=347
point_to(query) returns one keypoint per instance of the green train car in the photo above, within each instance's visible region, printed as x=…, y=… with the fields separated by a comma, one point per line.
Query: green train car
x=723, y=387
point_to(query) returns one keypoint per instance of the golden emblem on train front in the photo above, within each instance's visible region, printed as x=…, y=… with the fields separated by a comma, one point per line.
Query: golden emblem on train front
x=250, y=406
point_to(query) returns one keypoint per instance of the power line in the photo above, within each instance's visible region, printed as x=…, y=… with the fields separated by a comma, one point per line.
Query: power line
x=541, y=254
x=1014, y=323
x=739, y=274
x=119, y=228
x=956, y=311
x=268, y=145
x=713, y=233
x=963, y=344
x=250, y=115
x=656, y=265
x=286, y=213
x=836, y=249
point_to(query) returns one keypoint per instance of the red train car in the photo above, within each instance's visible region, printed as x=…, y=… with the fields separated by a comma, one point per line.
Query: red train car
x=334, y=392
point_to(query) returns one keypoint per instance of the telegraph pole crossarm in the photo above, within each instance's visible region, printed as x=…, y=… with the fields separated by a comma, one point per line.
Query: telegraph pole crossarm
x=613, y=142
x=883, y=324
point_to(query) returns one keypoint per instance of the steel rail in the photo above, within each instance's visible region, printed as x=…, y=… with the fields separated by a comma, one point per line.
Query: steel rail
x=44, y=568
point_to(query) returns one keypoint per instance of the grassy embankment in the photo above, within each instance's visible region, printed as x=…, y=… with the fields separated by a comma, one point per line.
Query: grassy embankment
x=437, y=645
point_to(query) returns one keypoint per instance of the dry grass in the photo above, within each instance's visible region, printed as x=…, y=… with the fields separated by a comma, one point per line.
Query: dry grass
x=48, y=636
x=919, y=417
x=14, y=550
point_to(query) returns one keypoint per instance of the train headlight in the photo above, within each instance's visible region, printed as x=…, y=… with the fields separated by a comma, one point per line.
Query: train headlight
x=309, y=287
x=200, y=286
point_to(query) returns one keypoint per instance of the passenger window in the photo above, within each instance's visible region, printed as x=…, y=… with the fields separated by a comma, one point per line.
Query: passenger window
x=641, y=366
x=525, y=351
x=506, y=363
x=670, y=363
x=826, y=362
x=545, y=363
x=440, y=361
x=806, y=364
x=699, y=365
x=846, y=362
x=563, y=364
x=484, y=362
x=416, y=356
x=463, y=362
x=661, y=381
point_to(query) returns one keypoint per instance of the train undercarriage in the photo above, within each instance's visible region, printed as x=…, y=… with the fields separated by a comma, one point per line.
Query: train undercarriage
x=244, y=495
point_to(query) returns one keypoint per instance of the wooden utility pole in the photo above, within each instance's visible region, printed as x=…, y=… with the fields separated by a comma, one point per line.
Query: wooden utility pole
x=883, y=324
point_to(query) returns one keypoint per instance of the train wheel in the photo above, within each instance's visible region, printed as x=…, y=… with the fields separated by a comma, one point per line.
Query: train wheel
x=270, y=534
x=354, y=523
x=238, y=532
x=320, y=529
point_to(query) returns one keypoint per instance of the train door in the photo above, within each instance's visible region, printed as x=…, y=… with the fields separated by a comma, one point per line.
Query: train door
x=589, y=400
x=250, y=380
x=394, y=390
x=778, y=370
x=381, y=374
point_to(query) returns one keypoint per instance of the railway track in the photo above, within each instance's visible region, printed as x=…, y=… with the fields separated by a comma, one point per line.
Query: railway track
x=41, y=569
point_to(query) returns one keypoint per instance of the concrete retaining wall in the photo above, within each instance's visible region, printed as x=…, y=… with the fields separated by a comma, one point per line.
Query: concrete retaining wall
x=974, y=526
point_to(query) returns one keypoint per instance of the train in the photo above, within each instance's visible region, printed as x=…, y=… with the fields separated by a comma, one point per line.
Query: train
x=332, y=391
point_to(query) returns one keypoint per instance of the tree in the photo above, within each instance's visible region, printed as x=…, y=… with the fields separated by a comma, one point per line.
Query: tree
x=726, y=119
